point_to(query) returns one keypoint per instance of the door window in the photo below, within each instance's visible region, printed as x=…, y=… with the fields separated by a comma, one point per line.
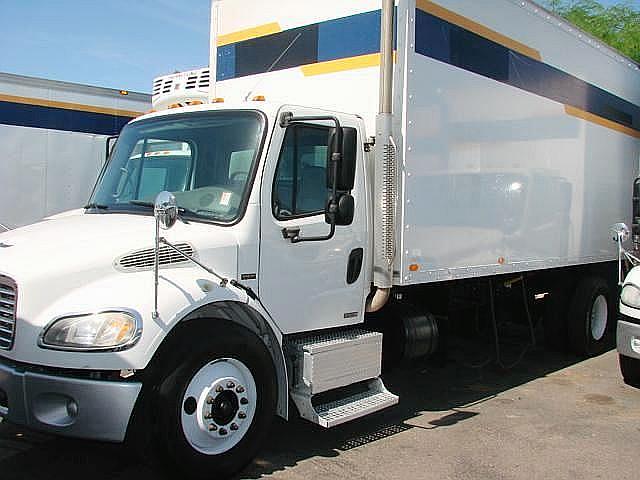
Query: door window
x=300, y=185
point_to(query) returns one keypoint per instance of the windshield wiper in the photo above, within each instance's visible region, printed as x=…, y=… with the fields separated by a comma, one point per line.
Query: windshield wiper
x=142, y=203
x=181, y=210
x=96, y=206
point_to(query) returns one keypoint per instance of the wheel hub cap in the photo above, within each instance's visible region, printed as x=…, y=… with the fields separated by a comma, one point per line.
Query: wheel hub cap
x=224, y=392
x=599, y=317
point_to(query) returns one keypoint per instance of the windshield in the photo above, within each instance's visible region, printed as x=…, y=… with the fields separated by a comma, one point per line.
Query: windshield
x=205, y=159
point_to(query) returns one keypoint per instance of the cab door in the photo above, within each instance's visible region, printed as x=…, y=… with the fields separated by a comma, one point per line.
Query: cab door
x=311, y=285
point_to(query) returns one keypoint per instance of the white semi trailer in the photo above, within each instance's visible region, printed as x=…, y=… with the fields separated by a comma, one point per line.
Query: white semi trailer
x=53, y=143
x=409, y=167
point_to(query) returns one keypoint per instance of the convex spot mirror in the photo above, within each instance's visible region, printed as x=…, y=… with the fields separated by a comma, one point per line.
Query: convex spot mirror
x=165, y=210
x=347, y=165
x=620, y=232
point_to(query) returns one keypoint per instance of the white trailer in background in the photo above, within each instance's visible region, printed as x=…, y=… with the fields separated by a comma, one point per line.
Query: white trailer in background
x=372, y=195
x=53, y=142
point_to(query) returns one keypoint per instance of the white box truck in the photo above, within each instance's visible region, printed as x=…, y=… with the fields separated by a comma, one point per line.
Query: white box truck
x=53, y=143
x=353, y=173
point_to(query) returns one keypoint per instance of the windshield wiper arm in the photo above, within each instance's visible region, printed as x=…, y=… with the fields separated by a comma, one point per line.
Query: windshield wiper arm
x=97, y=206
x=142, y=203
x=181, y=211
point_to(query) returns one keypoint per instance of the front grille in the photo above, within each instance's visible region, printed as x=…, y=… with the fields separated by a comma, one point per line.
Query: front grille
x=8, y=300
x=145, y=259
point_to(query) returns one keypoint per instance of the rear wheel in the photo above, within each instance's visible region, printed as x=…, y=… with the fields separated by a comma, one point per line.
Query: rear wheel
x=591, y=315
x=630, y=369
x=216, y=403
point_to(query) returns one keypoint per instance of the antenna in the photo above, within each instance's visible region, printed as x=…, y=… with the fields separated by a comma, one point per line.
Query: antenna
x=284, y=52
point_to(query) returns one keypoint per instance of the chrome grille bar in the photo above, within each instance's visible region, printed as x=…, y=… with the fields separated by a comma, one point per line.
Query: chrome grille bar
x=8, y=300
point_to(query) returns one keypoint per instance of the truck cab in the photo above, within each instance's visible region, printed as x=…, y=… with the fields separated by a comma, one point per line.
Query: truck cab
x=252, y=186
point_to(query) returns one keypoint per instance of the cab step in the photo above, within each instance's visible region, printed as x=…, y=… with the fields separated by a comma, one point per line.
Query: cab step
x=348, y=408
x=329, y=363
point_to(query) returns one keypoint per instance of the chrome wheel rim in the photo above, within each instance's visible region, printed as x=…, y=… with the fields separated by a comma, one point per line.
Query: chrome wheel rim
x=218, y=406
x=599, y=317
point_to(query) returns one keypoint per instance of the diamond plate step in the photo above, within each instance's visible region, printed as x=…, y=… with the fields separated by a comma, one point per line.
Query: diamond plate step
x=343, y=410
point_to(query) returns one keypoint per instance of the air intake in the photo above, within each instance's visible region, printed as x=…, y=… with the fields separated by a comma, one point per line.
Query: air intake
x=144, y=259
x=8, y=300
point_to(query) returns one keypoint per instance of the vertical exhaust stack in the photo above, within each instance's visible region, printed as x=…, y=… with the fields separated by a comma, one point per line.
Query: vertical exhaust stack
x=213, y=49
x=385, y=169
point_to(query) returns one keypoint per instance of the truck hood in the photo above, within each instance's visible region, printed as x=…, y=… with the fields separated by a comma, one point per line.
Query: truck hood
x=71, y=244
x=76, y=256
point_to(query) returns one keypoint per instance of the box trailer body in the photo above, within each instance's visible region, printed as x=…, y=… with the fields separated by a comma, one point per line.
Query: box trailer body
x=292, y=235
x=504, y=160
x=52, y=139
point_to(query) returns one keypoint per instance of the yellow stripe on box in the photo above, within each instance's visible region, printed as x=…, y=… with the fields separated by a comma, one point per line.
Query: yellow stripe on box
x=341, y=65
x=477, y=28
x=249, y=33
x=603, y=122
x=41, y=102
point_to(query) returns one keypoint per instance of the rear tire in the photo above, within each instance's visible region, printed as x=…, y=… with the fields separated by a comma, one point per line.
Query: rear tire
x=630, y=369
x=215, y=402
x=591, y=317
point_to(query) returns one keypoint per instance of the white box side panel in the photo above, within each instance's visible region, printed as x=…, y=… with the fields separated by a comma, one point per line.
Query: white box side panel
x=498, y=179
x=44, y=172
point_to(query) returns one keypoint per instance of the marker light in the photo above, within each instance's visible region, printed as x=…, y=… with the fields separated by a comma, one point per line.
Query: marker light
x=259, y=98
x=218, y=100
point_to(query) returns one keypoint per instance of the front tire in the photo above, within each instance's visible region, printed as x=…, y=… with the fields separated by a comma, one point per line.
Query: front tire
x=591, y=316
x=630, y=369
x=216, y=403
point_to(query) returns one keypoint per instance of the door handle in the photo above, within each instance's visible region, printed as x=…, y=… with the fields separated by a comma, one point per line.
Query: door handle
x=291, y=233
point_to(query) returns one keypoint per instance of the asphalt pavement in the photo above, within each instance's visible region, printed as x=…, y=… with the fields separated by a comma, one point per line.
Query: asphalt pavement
x=551, y=417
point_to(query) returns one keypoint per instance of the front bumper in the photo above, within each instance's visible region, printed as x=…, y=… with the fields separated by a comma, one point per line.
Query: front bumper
x=628, y=336
x=64, y=405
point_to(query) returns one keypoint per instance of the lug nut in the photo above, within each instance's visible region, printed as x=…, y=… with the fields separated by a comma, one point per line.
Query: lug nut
x=242, y=415
x=213, y=427
x=240, y=389
x=210, y=400
x=231, y=385
x=222, y=431
x=219, y=389
x=244, y=401
x=233, y=427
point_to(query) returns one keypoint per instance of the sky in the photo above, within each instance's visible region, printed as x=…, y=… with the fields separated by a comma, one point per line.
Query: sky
x=119, y=44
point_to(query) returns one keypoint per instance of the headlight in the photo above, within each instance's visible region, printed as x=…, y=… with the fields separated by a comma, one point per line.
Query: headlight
x=630, y=296
x=112, y=330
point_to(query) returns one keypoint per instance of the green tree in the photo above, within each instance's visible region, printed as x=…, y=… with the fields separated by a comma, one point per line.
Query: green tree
x=617, y=25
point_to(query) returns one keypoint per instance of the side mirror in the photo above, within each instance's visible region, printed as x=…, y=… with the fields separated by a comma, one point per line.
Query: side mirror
x=344, y=210
x=347, y=166
x=165, y=209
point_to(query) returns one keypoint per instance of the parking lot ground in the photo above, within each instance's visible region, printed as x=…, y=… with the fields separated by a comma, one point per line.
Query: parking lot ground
x=551, y=417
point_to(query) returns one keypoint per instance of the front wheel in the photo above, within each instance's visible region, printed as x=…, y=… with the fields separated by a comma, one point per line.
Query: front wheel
x=216, y=406
x=591, y=317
